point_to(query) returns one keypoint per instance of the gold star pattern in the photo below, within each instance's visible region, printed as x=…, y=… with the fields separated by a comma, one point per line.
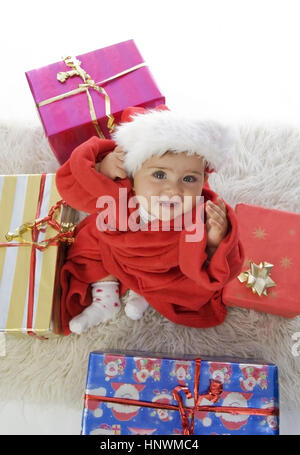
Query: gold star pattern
x=285, y=262
x=259, y=233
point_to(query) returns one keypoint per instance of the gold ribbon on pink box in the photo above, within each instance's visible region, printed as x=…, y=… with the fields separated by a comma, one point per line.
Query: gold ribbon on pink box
x=88, y=83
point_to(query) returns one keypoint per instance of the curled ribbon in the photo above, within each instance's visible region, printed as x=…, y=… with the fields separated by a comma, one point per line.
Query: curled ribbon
x=65, y=230
x=187, y=414
x=88, y=83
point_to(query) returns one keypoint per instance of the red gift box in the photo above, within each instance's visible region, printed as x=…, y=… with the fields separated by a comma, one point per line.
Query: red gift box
x=270, y=236
x=84, y=96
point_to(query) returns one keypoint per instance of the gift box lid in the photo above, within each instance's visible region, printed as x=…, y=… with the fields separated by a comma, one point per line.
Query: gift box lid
x=151, y=378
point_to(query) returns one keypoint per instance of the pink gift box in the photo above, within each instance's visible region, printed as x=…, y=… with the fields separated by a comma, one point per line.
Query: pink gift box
x=68, y=122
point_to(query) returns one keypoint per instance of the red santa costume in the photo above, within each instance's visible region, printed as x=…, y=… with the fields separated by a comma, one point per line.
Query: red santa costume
x=169, y=272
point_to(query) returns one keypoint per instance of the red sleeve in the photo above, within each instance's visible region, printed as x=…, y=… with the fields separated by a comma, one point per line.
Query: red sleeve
x=225, y=264
x=77, y=181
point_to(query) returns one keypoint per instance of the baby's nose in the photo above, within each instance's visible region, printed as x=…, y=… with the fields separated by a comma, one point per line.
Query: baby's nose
x=172, y=190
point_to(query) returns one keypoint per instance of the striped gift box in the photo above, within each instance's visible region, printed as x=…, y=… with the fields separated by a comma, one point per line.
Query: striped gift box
x=29, y=276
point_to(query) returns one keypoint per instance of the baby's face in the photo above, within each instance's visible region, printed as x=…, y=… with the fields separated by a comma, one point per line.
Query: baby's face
x=163, y=181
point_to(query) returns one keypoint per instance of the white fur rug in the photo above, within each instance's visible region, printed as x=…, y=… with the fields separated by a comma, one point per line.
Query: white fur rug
x=266, y=173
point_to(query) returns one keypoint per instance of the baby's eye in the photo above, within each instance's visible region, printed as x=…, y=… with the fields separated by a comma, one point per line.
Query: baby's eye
x=159, y=174
x=189, y=178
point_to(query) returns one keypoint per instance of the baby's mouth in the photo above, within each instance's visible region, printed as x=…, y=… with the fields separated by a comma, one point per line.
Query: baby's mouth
x=170, y=204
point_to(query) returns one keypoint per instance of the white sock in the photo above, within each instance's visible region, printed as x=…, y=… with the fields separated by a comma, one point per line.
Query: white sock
x=136, y=306
x=105, y=305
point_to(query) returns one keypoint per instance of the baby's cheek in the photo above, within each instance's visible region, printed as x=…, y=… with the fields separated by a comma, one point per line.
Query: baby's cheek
x=188, y=204
x=191, y=200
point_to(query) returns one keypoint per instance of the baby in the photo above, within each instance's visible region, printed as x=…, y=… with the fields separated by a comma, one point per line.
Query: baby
x=163, y=160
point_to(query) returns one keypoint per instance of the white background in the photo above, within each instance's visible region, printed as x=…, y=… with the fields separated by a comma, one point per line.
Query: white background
x=237, y=59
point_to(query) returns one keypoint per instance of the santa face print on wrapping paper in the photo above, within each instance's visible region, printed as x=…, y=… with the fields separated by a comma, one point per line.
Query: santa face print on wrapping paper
x=220, y=372
x=143, y=431
x=230, y=421
x=254, y=376
x=163, y=397
x=235, y=399
x=146, y=368
x=130, y=391
x=105, y=429
x=114, y=366
x=181, y=370
x=95, y=406
x=203, y=416
x=271, y=421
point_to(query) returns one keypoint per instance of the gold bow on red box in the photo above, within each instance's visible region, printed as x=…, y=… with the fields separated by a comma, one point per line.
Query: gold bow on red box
x=258, y=277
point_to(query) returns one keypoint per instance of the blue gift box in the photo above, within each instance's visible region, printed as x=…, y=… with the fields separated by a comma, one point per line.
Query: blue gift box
x=114, y=378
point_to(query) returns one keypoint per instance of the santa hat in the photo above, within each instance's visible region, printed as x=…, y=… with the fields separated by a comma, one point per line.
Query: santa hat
x=93, y=405
x=145, y=133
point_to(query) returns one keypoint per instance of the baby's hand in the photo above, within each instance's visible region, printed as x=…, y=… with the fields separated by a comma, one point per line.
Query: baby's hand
x=112, y=165
x=216, y=223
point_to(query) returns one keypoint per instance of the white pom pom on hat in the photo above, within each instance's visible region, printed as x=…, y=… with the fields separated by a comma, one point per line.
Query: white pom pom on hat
x=144, y=133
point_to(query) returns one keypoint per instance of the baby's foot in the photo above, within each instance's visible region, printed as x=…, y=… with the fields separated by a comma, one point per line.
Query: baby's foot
x=136, y=306
x=105, y=305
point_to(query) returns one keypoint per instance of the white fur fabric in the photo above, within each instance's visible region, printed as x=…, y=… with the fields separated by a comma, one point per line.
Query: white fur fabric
x=155, y=132
x=266, y=173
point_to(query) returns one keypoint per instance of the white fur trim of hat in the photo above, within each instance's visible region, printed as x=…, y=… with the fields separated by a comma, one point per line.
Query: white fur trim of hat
x=157, y=132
